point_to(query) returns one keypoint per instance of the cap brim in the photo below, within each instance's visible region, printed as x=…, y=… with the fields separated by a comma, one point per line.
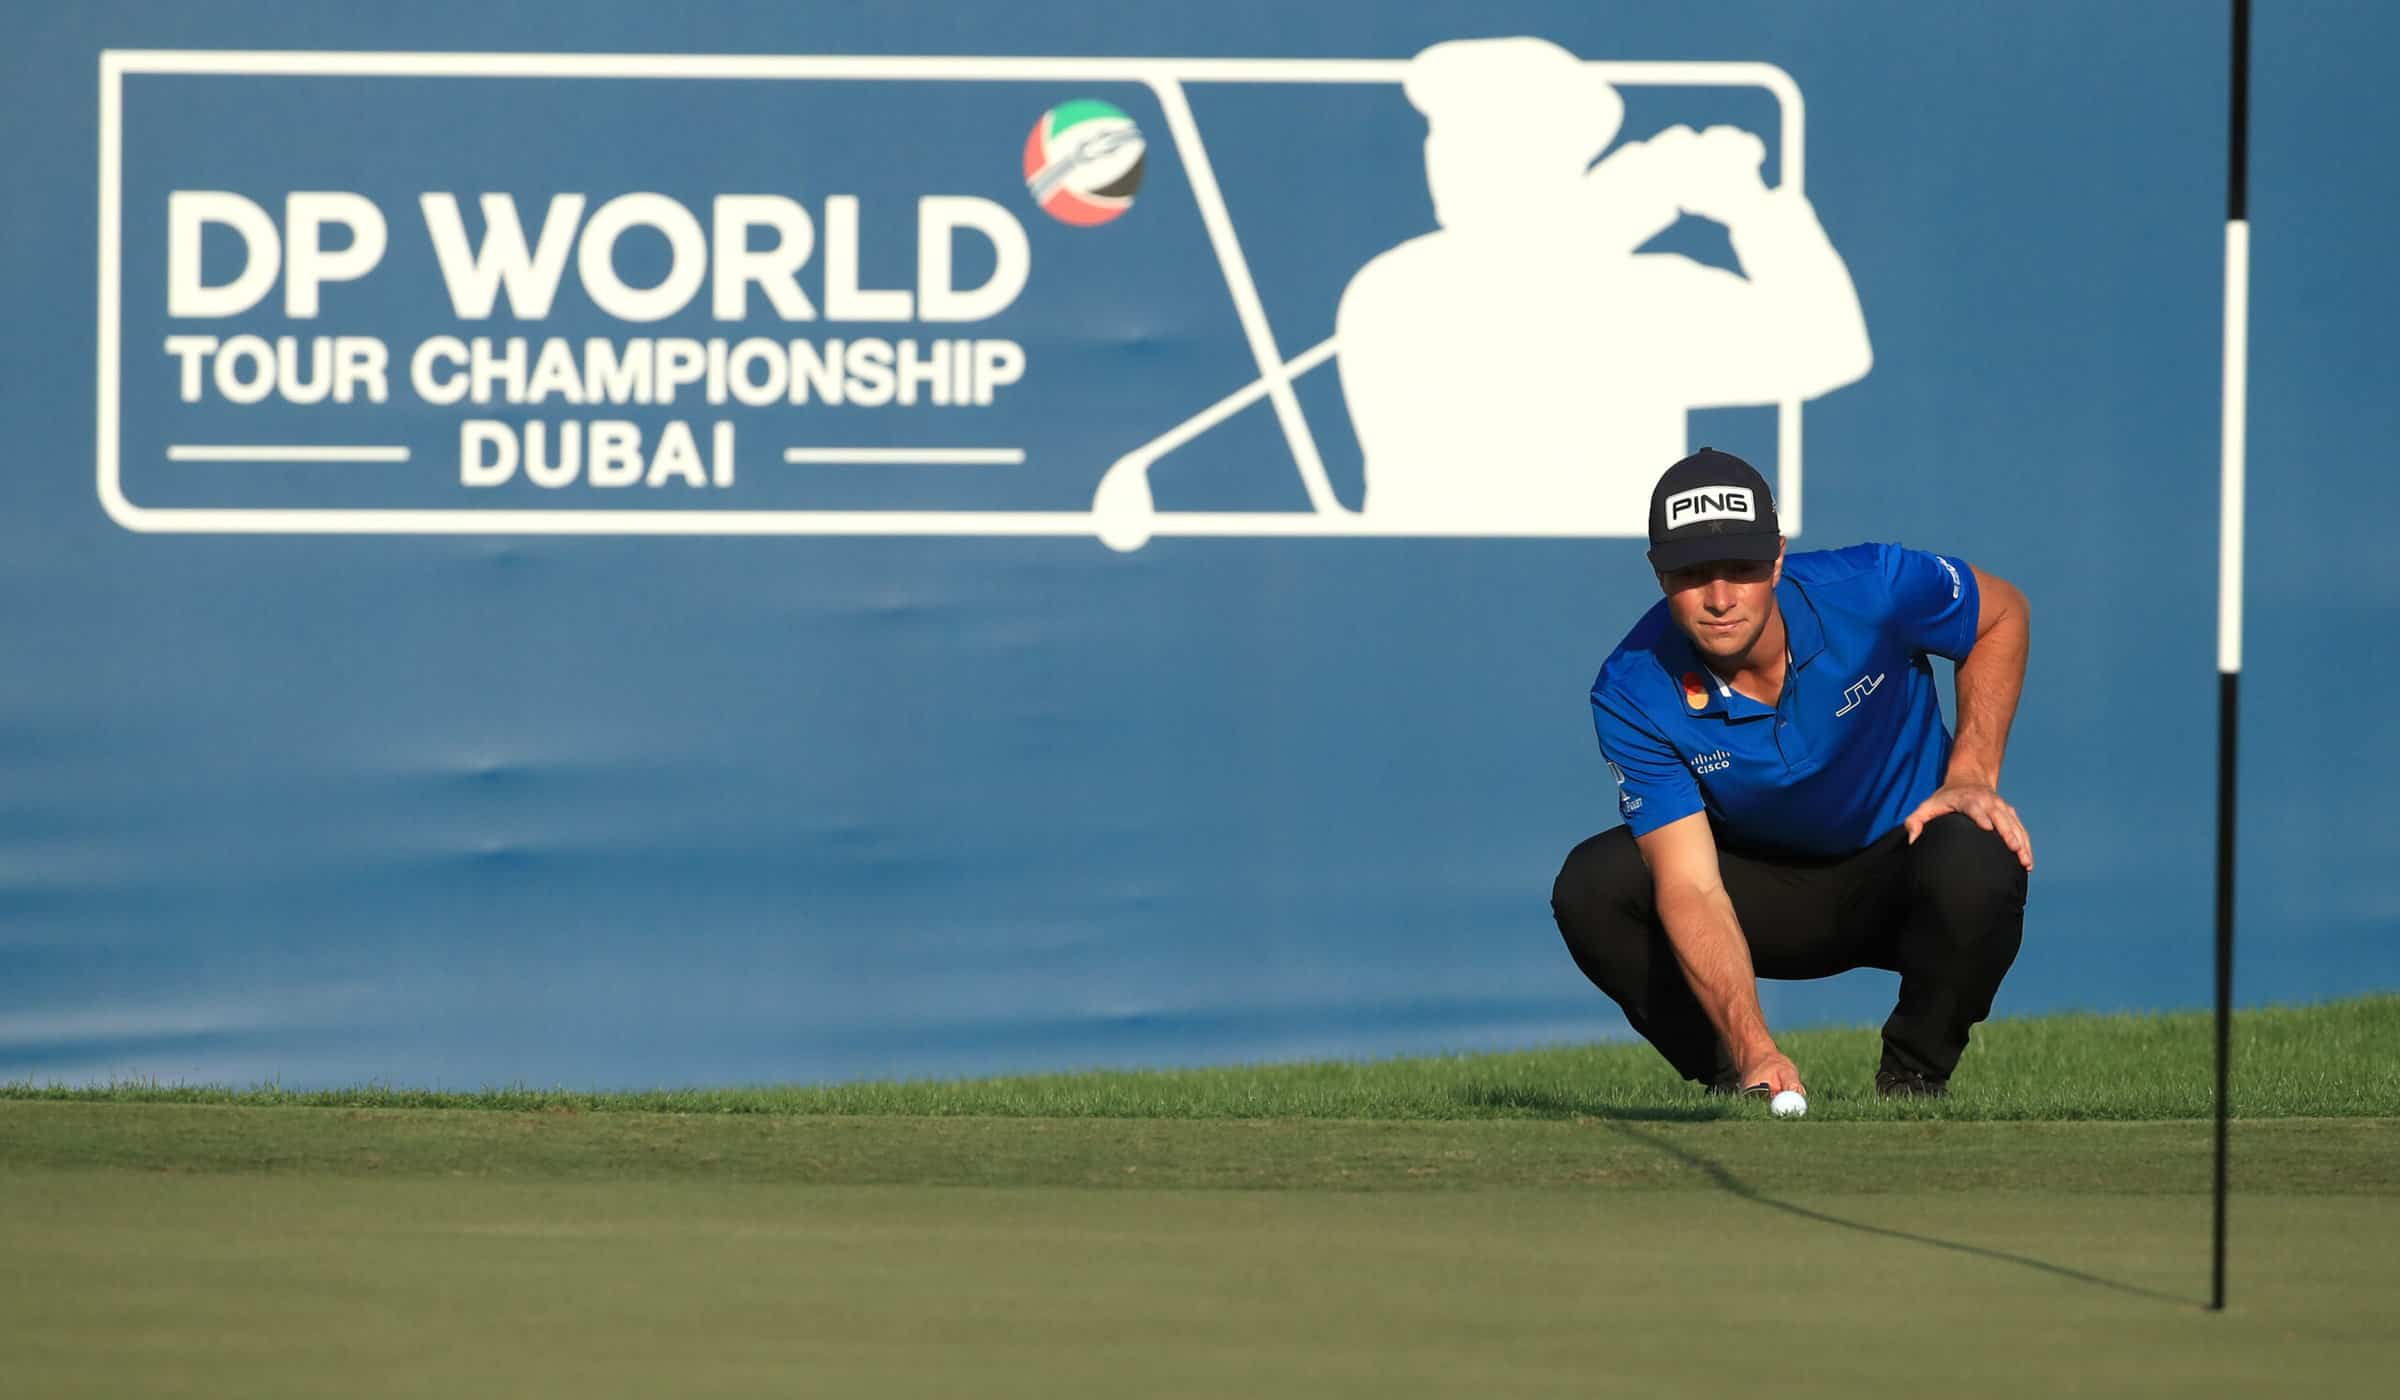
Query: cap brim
x=1670, y=555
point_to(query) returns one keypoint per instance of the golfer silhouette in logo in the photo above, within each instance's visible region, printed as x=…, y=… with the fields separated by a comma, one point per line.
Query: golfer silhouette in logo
x=1523, y=366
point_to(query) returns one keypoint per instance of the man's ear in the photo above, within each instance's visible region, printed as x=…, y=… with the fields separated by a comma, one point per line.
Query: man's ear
x=1780, y=545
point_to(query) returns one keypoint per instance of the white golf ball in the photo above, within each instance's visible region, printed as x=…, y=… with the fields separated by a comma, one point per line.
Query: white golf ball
x=1788, y=1104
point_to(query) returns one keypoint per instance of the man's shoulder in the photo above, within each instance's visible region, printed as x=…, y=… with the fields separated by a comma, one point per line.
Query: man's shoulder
x=1859, y=565
x=1635, y=669
x=1867, y=579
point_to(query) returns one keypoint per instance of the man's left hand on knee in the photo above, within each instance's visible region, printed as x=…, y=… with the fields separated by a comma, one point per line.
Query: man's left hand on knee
x=1980, y=804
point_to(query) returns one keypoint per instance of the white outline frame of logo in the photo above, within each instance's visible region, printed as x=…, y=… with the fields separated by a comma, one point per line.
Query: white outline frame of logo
x=1164, y=77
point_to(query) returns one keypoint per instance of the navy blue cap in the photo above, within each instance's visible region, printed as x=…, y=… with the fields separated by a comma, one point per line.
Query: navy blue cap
x=1711, y=505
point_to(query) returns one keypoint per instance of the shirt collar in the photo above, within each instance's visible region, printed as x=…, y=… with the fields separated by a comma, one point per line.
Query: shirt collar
x=1804, y=637
x=1803, y=630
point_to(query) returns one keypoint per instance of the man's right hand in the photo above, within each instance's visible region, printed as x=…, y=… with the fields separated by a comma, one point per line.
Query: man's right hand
x=1773, y=1069
x=1710, y=949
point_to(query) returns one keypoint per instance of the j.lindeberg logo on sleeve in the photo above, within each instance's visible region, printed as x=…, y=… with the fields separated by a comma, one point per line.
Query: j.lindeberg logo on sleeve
x=1858, y=692
x=1627, y=803
x=1710, y=503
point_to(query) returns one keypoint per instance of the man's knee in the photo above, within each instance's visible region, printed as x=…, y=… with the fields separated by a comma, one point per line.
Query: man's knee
x=1967, y=871
x=1602, y=902
x=1604, y=879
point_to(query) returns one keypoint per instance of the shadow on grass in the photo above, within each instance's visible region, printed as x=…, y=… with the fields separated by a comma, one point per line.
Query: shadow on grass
x=1544, y=1103
x=1716, y=1171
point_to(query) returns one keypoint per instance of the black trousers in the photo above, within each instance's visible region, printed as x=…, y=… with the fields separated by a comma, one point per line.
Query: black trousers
x=1946, y=913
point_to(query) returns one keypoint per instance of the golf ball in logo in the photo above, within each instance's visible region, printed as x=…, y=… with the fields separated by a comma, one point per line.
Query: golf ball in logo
x=1083, y=162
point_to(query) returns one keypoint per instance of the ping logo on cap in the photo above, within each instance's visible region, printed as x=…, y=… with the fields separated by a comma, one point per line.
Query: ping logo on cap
x=1703, y=503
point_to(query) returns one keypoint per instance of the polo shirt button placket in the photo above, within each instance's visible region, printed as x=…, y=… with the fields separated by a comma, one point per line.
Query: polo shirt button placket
x=1783, y=704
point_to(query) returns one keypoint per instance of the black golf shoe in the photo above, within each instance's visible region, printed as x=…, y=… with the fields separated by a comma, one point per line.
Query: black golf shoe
x=1908, y=1084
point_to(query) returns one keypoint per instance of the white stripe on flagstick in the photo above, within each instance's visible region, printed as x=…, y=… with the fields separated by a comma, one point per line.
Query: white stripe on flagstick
x=2234, y=428
x=240, y=453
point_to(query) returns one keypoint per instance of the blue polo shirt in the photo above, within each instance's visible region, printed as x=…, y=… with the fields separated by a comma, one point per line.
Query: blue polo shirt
x=1852, y=745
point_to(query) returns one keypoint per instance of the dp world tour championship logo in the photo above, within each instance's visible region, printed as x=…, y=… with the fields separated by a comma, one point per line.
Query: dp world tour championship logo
x=1083, y=162
x=1497, y=320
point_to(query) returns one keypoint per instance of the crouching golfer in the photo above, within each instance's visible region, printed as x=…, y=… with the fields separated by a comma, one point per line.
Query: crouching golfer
x=1793, y=805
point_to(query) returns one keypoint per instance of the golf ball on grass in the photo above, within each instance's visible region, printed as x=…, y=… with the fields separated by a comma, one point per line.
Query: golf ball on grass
x=1788, y=1104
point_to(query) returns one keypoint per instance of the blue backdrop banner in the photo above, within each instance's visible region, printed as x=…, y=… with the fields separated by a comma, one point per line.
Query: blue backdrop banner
x=818, y=543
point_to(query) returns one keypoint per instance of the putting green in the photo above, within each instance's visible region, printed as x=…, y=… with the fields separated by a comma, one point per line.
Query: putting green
x=116, y=1283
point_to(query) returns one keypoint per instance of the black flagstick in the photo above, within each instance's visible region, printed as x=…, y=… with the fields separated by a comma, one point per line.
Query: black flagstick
x=2229, y=581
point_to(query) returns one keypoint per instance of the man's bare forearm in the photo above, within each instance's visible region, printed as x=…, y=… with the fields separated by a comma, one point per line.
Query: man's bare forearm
x=1989, y=682
x=1715, y=958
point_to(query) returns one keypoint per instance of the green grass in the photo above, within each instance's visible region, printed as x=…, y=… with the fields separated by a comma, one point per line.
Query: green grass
x=2313, y=1156
x=1570, y=1222
x=263, y=1287
x=2332, y=1060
